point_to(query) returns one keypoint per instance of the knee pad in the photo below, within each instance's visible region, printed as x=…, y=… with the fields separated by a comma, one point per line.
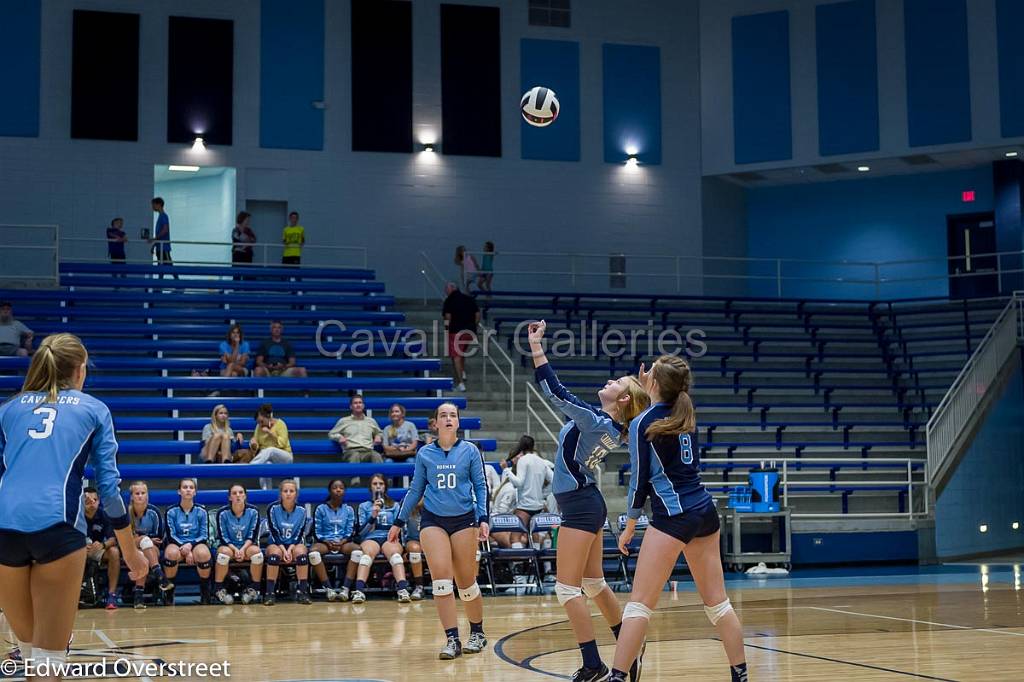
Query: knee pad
x=315, y=558
x=302, y=560
x=356, y=556
x=635, y=609
x=366, y=560
x=167, y=563
x=470, y=593
x=223, y=559
x=717, y=612
x=442, y=588
x=257, y=559
x=203, y=564
x=415, y=557
x=478, y=555
x=145, y=543
x=396, y=559
x=566, y=593
x=274, y=560
x=593, y=586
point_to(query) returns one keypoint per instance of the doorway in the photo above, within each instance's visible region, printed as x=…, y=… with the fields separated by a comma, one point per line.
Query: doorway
x=200, y=203
x=268, y=220
x=973, y=269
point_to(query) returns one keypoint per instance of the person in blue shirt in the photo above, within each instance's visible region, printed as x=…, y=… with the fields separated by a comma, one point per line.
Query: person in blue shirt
x=48, y=433
x=102, y=547
x=375, y=518
x=148, y=524
x=161, y=241
x=188, y=533
x=666, y=467
x=238, y=527
x=116, y=239
x=449, y=477
x=583, y=443
x=287, y=522
x=333, y=525
x=234, y=353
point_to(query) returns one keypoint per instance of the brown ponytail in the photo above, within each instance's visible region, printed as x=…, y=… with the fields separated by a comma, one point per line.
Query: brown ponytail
x=54, y=365
x=674, y=379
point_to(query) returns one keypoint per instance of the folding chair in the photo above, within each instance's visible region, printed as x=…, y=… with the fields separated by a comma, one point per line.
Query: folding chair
x=545, y=522
x=510, y=523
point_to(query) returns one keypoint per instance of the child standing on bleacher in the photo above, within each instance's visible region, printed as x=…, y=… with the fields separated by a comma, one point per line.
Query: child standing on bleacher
x=187, y=538
x=238, y=525
x=333, y=525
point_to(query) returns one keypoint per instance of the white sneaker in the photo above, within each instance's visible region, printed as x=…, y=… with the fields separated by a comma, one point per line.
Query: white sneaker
x=331, y=594
x=358, y=597
x=225, y=598
x=342, y=594
x=250, y=595
x=417, y=593
x=403, y=597
x=461, y=387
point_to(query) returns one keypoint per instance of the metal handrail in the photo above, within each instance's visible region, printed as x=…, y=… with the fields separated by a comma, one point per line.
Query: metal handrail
x=431, y=276
x=54, y=246
x=509, y=377
x=531, y=412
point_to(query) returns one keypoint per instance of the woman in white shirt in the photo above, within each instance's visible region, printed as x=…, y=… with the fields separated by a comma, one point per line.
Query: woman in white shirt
x=530, y=474
x=504, y=499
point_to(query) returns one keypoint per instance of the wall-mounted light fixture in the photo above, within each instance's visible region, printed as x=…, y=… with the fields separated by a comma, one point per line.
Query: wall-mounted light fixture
x=198, y=145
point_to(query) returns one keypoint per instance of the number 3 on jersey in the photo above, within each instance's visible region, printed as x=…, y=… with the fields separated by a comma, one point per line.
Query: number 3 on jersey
x=446, y=481
x=685, y=449
x=49, y=415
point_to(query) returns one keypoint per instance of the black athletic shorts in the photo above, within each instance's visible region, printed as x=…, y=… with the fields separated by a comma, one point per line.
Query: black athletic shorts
x=693, y=523
x=449, y=524
x=40, y=547
x=583, y=509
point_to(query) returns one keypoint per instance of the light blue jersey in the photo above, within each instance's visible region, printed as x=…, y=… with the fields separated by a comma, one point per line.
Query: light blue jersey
x=44, y=448
x=376, y=528
x=584, y=441
x=187, y=527
x=333, y=524
x=286, y=528
x=235, y=530
x=150, y=523
x=451, y=483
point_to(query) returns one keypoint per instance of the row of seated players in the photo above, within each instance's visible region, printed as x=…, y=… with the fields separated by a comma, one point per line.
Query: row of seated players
x=183, y=535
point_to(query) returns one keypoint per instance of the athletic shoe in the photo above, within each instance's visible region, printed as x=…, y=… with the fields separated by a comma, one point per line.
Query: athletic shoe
x=302, y=597
x=166, y=585
x=139, y=600
x=476, y=643
x=358, y=597
x=225, y=598
x=268, y=599
x=343, y=594
x=585, y=674
x=403, y=597
x=417, y=593
x=638, y=664
x=453, y=649
x=14, y=655
x=331, y=594
x=616, y=677
x=461, y=387
x=111, y=603
x=250, y=595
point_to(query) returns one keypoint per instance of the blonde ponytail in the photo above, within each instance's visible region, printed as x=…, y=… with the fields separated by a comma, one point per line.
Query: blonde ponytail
x=54, y=365
x=674, y=379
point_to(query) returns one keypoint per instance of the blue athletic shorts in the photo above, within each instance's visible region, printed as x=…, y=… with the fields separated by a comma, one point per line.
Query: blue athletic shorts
x=693, y=523
x=583, y=509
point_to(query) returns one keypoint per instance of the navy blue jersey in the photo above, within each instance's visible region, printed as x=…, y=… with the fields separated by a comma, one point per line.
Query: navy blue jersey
x=376, y=528
x=185, y=527
x=450, y=483
x=98, y=528
x=286, y=528
x=667, y=469
x=235, y=530
x=44, y=448
x=333, y=524
x=584, y=441
x=150, y=523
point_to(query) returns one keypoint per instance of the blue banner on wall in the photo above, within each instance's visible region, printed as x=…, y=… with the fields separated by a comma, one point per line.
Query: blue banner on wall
x=1009, y=20
x=762, y=119
x=20, y=26
x=632, y=103
x=552, y=64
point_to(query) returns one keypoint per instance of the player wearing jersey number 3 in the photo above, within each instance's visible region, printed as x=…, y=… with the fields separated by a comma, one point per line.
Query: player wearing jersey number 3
x=48, y=433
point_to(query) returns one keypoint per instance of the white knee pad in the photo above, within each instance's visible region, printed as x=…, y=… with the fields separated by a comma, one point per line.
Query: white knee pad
x=315, y=558
x=415, y=557
x=366, y=560
x=356, y=555
x=223, y=559
x=396, y=559
x=566, y=593
x=256, y=559
x=717, y=612
x=593, y=586
x=470, y=593
x=145, y=543
x=635, y=609
x=442, y=588
x=478, y=555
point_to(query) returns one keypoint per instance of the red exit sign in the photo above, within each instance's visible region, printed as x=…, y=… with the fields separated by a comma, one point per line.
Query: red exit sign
x=967, y=196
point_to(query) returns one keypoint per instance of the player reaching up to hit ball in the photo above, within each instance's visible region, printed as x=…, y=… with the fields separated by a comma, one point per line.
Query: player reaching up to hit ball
x=449, y=476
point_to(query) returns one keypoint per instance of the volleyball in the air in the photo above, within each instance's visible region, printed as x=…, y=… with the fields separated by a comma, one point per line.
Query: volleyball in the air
x=539, y=106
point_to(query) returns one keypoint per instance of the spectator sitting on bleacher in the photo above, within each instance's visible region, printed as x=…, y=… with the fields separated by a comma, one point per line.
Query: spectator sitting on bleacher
x=188, y=532
x=102, y=547
x=218, y=437
x=269, y=443
x=356, y=435
x=400, y=438
x=234, y=353
x=15, y=337
x=238, y=526
x=148, y=525
x=430, y=435
x=375, y=518
x=275, y=357
x=333, y=526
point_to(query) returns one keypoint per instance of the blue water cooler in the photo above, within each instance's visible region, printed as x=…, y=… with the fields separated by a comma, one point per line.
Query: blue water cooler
x=764, y=486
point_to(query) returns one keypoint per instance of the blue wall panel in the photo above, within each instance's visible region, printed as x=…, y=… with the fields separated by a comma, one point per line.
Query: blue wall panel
x=553, y=64
x=291, y=74
x=847, y=78
x=938, y=74
x=762, y=121
x=1009, y=20
x=986, y=486
x=19, y=77
x=847, y=548
x=632, y=103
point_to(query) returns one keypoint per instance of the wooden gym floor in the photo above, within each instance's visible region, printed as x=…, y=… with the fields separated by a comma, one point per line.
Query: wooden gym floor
x=955, y=623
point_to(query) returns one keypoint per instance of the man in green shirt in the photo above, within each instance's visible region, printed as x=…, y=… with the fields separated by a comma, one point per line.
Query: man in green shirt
x=356, y=434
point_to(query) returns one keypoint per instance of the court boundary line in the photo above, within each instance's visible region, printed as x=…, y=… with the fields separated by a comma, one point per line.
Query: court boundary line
x=914, y=620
